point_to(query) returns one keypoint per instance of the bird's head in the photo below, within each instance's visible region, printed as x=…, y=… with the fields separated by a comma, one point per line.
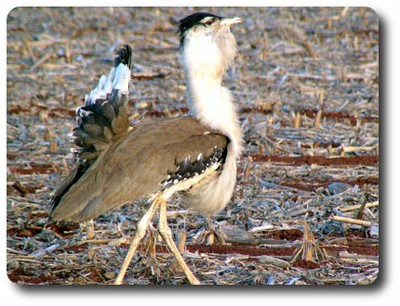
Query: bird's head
x=206, y=43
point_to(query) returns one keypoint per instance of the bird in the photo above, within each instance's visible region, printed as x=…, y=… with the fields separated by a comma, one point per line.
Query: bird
x=193, y=155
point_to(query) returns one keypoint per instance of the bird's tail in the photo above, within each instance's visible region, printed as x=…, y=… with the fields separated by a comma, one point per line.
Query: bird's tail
x=102, y=120
x=104, y=117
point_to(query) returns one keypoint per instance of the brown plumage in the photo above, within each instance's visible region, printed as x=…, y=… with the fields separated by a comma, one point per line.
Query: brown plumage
x=119, y=163
x=133, y=167
x=194, y=156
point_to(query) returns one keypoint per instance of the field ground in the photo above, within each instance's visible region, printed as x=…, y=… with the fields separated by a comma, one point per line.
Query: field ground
x=306, y=205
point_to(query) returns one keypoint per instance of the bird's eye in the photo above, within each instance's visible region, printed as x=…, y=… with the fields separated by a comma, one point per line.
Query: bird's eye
x=208, y=21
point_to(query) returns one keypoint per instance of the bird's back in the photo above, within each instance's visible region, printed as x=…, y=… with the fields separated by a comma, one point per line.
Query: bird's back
x=139, y=165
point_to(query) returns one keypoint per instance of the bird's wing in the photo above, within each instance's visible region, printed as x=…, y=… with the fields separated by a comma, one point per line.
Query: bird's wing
x=150, y=158
x=102, y=120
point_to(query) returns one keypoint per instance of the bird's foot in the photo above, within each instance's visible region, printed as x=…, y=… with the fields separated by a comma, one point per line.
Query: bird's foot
x=212, y=234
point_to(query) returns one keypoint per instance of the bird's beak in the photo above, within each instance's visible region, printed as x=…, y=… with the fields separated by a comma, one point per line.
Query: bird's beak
x=229, y=21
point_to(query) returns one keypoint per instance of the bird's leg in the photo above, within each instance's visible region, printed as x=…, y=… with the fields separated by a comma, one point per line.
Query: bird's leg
x=211, y=234
x=90, y=236
x=89, y=230
x=214, y=233
x=166, y=234
x=140, y=233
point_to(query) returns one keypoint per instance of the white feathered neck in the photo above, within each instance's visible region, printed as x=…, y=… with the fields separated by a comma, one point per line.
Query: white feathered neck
x=205, y=59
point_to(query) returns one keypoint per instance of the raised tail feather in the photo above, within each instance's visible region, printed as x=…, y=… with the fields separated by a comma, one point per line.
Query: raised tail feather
x=102, y=120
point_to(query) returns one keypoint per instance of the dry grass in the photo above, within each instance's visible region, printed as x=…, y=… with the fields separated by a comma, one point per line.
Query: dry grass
x=306, y=84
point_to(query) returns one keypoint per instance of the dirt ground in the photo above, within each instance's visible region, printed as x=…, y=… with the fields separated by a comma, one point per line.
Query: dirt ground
x=306, y=206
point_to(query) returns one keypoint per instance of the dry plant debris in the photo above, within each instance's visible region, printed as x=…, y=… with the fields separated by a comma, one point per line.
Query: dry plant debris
x=306, y=85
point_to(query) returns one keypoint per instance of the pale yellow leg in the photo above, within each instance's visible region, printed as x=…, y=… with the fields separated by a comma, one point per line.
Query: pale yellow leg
x=90, y=236
x=89, y=230
x=166, y=234
x=140, y=233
